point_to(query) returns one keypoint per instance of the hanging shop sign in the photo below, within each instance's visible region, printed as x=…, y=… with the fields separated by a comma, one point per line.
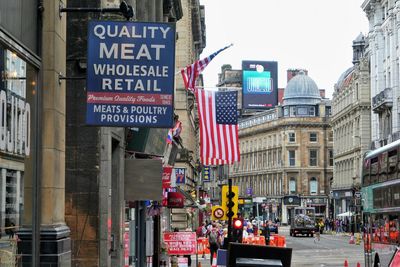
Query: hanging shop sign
x=175, y=200
x=206, y=174
x=180, y=175
x=130, y=74
x=166, y=177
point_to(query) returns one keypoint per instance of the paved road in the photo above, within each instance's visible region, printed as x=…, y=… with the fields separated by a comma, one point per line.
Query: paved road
x=330, y=251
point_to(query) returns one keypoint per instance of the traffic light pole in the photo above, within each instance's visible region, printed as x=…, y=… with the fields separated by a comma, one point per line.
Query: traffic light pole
x=229, y=212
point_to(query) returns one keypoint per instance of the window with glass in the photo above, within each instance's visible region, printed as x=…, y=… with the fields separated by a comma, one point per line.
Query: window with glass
x=330, y=137
x=392, y=170
x=302, y=111
x=292, y=185
x=383, y=167
x=374, y=176
x=292, y=157
x=313, y=137
x=18, y=98
x=366, y=173
x=292, y=111
x=313, y=157
x=313, y=185
x=292, y=137
x=311, y=111
x=330, y=157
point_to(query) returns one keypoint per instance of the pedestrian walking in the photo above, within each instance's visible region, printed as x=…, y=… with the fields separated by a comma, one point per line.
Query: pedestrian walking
x=213, y=240
x=266, y=233
x=317, y=233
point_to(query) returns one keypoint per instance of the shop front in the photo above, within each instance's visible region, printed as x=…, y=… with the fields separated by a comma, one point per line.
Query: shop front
x=320, y=204
x=288, y=203
x=341, y=201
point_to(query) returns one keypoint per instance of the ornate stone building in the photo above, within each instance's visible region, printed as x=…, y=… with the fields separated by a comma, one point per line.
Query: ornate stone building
x=351, y=124
x=191, y=42
x=384, y=40
x=285, y=152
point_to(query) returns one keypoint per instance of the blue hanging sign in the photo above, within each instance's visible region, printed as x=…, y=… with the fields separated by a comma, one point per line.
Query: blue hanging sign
x=130, y=74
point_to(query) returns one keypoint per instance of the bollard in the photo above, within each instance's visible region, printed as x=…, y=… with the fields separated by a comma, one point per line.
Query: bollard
x=346, y=264
x=358, y=264
x=214, y=261
x=351, y=241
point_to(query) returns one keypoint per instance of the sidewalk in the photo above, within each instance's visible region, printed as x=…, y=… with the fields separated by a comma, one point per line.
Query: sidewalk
x=204, y=262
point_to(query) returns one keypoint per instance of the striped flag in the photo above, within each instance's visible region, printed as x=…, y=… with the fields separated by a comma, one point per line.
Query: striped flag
x=219, y=140
x=191, y=72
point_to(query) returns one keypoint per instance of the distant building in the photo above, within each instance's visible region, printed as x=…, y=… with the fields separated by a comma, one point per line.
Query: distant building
x=383, y=52
x=351, y=124
x=285, y=153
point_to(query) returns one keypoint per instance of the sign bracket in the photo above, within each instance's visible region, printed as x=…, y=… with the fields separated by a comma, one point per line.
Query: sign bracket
x=124, y=8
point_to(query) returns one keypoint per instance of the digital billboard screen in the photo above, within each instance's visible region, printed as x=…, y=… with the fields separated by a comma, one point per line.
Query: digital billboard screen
x=260, y=84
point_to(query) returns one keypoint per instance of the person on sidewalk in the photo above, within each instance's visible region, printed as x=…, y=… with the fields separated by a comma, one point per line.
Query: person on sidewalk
x=213, y=240
x=317, y=233
x=266, y=233
x=11, y=230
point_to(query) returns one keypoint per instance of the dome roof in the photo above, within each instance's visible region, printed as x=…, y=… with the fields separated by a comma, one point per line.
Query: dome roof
x=301, y=90
x=345, y=78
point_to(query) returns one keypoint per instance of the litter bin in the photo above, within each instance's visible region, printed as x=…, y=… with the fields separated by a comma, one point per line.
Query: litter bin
x=251, y=262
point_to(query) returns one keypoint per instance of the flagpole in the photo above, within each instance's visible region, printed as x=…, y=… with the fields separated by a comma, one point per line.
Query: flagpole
x=223, y=49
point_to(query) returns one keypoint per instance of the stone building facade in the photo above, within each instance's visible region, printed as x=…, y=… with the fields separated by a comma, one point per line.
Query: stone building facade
x=96, y=209
x=285, y=153
x=383, y=51
x=351, y=124
x=190, y=43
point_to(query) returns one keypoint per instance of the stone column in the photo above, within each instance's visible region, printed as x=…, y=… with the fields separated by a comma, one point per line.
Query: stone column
x=55, y=241
x=55, y=244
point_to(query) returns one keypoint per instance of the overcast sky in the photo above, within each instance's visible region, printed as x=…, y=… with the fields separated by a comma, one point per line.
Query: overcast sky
x=313, y=34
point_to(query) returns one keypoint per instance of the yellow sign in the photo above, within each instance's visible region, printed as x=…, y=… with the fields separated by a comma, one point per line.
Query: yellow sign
x=225, y=199
x=217, y=213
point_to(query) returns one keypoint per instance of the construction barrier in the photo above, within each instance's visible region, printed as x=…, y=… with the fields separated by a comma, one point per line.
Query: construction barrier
x=274, y=240
x=202, y=246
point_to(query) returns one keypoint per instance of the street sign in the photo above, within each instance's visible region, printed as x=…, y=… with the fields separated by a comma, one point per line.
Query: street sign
x=357, y=194
x=218, y=213
x=180, y=243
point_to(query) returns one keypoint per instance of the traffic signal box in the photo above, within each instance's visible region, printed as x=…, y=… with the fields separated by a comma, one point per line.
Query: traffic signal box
x=230, y=200
x=237, y=230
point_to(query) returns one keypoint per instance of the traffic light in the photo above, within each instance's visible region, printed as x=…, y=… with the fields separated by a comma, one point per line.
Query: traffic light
x=230, y=201
x=237, y=230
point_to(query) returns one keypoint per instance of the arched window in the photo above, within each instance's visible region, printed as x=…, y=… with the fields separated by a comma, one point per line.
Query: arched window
x=313, y=185
x=292, y=185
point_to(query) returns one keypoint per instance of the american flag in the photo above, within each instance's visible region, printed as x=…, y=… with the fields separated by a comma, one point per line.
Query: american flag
x=191, y=72
x=219, y=140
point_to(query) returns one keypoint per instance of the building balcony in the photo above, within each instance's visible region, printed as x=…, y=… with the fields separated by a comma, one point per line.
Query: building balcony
x=382, y=101
x=384, y=141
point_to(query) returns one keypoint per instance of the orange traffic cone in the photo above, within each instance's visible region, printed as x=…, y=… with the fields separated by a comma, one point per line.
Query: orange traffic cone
x=214, y=262
x=351, y=241
x=346, y=264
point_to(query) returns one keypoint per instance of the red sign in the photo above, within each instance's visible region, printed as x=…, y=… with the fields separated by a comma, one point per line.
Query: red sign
x=180, y=243
x=175, y=200
x=395, y=260
x=126, y=248
x=166, y=177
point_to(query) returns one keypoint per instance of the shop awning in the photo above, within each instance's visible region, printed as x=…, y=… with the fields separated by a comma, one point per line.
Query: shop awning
x=189, y=200
x=345, y=214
